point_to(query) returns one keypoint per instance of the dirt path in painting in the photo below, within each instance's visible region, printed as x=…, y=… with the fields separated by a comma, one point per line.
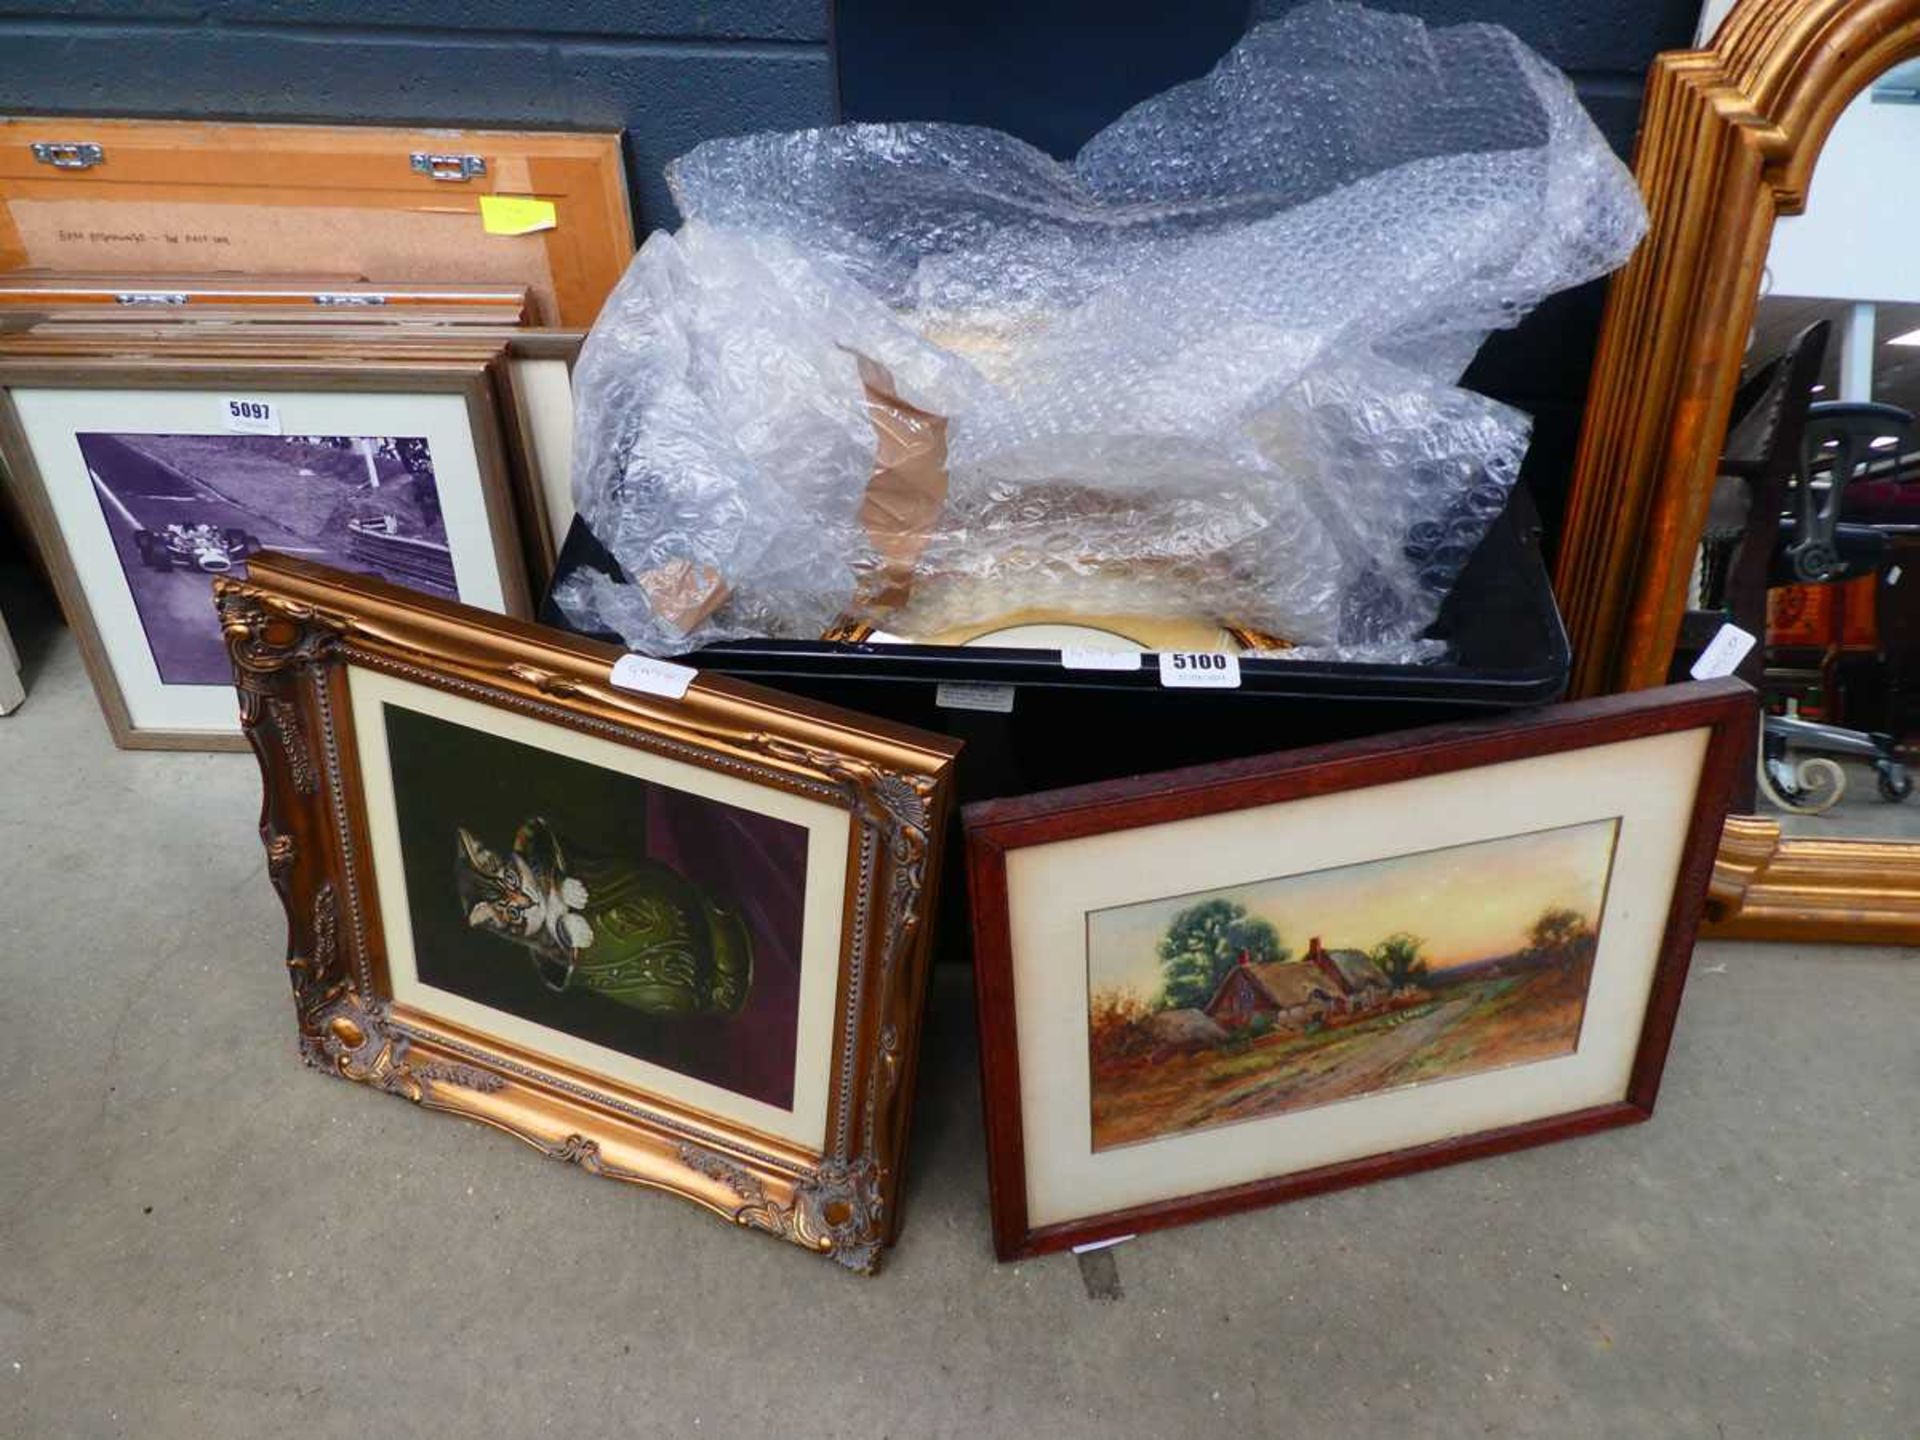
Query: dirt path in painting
x=1479, y=1026
x=1333, y=1071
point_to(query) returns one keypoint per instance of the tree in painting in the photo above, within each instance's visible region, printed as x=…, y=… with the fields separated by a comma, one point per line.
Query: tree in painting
x=1117, y=1025
x=1559, y=936
x=1199, y=1015
x=1399, y=959
x=1204, y=942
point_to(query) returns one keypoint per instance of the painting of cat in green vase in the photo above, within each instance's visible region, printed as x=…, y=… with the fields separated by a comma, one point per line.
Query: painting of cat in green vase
x=626, y=927
x=659, y=923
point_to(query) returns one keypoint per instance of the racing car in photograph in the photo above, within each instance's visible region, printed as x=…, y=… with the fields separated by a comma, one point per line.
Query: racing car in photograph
x=210, y=548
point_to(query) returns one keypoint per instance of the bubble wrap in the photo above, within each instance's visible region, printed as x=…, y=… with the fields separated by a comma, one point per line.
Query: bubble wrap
x=1208, y=369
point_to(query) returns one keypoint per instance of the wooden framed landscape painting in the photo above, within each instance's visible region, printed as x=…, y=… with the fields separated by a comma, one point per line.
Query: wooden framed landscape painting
x=1245, y=982
x=679, y=939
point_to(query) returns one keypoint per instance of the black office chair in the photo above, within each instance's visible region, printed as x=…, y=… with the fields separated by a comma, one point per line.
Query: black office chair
x=1816, y=546
x=1750, y=493
x=1763, y=454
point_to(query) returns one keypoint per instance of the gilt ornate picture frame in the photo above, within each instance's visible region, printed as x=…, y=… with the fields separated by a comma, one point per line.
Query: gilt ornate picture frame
x=1247, y=982
x=1729, y=139
x=680, y=941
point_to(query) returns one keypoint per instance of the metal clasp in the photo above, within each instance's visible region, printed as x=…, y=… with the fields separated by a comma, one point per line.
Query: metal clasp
x=448, y=167
x=68, y=154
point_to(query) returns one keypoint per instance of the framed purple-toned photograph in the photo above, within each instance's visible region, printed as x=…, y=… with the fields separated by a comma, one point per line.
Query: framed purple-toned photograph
x=183, y=508
x=145, y=479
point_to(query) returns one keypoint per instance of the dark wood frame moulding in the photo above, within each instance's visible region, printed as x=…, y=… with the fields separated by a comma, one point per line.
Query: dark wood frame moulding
x=293, y=630
x=994, y=828
x=1729, y=137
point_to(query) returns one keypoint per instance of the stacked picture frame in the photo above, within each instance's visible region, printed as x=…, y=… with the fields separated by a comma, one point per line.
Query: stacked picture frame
x=203, y=324
x=148, y=455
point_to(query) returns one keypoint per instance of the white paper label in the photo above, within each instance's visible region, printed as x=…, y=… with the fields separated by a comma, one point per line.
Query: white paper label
x=1893, y=575
x=250, y=417
x=653, y=677
x=956, y=696
x=1199, y=670
x=1723, y=653
x=1092, y=657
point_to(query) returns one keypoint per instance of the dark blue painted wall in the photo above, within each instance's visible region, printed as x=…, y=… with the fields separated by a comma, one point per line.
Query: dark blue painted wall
x=674, y=72
x=1050, y=71
x=1055, y=71
x=669, y=72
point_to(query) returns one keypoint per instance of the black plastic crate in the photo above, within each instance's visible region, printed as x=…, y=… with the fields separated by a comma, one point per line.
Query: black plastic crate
x=1507, y=650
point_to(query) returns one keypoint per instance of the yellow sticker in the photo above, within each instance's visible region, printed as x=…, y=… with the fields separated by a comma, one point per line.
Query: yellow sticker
x=516, y=214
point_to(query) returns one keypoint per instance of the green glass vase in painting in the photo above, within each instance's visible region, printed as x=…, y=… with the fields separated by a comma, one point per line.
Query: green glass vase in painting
x=629, y=928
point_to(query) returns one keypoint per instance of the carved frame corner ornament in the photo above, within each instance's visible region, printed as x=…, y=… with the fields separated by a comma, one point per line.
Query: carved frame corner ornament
x=1729, y=136
x=293, y=630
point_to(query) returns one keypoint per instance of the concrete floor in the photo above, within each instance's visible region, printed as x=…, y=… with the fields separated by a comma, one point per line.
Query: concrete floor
x=1860, y=813
x=198, y=1237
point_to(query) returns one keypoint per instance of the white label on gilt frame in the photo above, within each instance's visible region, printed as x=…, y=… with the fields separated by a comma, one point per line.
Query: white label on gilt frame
x=648, y=676
x=1052, y=888
x=98, y=525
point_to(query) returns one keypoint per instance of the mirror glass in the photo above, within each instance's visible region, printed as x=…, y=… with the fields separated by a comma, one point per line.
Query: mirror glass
x=1813, y=535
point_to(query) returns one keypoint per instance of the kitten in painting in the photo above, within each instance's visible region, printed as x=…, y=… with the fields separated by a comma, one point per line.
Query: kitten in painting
x=633, y=930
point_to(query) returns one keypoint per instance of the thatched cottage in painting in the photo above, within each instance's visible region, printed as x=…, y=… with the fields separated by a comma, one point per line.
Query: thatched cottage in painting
x=1361, y=982
x=1297, y=992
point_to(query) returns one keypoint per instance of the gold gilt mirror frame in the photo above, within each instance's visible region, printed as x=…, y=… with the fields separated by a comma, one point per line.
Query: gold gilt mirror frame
x=1728, y=142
